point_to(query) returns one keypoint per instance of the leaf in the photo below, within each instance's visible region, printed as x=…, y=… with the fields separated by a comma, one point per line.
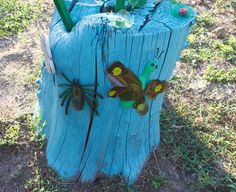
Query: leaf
x=137, y=3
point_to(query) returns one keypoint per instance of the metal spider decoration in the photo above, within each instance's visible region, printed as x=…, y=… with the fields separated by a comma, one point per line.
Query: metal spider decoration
x=78, y=94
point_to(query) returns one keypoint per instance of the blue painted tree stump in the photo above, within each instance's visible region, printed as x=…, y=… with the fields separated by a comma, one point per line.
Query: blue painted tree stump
x=81, y=144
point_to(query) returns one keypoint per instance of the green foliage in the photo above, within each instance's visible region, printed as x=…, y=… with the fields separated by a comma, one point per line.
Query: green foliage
x=206, y=19
x=212, y=74
x=210, y=52
x=16, y=15
x=158, y=181
x=36, y=127
x=226, y=48
x=137, y=3
x=40, y=184
x=11, y=135
x=200, y=135
x=199, y=50
x=206, y=180
x=120, y=4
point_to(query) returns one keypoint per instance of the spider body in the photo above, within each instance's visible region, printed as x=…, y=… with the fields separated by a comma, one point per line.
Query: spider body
x=77, y=99
x=78, y=94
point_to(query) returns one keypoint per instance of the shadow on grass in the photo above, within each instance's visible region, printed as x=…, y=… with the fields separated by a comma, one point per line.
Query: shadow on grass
x=195, y=159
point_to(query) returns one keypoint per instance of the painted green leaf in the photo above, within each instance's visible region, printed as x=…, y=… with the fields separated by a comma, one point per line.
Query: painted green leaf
x=137, y=3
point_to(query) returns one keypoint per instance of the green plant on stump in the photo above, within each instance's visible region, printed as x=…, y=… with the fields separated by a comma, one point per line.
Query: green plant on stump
x=67, y=20
x=64, y=13
x=120, y=4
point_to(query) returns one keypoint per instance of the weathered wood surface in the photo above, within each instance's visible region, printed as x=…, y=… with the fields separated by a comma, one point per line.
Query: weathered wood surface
x=120, y=140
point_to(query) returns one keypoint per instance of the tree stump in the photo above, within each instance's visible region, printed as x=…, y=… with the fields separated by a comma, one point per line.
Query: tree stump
x=81, y=144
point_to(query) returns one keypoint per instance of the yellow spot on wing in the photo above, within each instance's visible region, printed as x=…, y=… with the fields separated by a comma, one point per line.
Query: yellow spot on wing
x=158, y=88
x=141, y=107
x=116, y=71
x=112, y=93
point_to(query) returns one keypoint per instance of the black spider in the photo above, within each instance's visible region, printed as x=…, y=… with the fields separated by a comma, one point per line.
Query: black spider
x=78, y=94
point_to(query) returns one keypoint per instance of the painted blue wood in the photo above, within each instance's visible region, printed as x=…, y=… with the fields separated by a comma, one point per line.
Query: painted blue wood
x=120, y=141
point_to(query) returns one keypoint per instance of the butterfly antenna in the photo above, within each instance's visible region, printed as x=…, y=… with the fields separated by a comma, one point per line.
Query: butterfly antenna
x=157, y=52
x=160, y=54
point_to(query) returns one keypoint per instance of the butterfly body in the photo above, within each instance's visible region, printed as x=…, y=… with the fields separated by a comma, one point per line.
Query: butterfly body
x=130, y=88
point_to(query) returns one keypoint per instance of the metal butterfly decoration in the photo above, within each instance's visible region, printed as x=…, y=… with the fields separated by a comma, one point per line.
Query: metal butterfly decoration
x=132, y=89
x=78, y=94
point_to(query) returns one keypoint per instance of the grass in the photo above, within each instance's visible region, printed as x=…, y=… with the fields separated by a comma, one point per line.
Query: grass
x=213, y=52
x=204, y=144
x=16, y=15
x=40, y=184
x=213, y=74
x=11, y=135
x=205, y=137
x=158, y=181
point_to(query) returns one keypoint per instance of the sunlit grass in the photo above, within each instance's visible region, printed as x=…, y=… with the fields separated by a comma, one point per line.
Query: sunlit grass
x=16, y=15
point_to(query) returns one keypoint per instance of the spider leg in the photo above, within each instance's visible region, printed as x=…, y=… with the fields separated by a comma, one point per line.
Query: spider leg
x=66, y=78
x=88, y=91
x=67, y=105
x=90, y=85
x=93, y=93
x=93, y=100
x=87, y=99
x=87, y=85
x=64, y=92
x=64, y=99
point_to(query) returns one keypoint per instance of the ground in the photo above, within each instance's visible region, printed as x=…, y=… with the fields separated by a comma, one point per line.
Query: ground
x=198, y=138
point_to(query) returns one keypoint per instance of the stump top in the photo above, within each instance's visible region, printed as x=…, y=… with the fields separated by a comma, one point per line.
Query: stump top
x=154, y=17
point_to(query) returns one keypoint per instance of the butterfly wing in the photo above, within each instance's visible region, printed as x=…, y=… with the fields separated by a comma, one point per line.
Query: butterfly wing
x=122, y=92
x=128, y=87
x=155, y=87
x=141, y=106
x=117, y=72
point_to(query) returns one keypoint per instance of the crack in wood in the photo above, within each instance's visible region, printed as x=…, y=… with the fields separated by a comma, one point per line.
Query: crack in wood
x=93, y=110
x=77, y=178
x=148, y=17
x=113, y=156
x=72, y=5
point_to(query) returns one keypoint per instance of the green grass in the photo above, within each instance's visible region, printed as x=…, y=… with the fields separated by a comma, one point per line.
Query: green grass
x=10, y=136
x=213, y=74
x=158, y=181
x=207, y=51
x=226, y=48
x=201, y=141
x=204, y=143
x=40, y=184
x=16, y=15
